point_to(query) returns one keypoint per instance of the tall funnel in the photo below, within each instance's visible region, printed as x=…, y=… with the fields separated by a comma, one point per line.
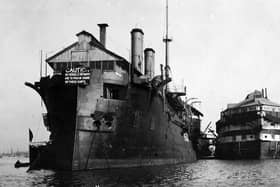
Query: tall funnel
x=102, y=35
x=149, y=55
x=137, y=36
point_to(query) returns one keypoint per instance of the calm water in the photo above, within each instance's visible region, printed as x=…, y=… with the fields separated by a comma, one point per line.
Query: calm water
x=201, y=173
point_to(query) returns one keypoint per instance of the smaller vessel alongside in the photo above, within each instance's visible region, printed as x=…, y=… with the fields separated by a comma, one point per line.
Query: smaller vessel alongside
x=249, y=129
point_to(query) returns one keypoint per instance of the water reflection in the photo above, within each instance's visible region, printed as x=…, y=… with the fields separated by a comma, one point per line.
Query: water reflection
x=144, y=176
x=201, y=173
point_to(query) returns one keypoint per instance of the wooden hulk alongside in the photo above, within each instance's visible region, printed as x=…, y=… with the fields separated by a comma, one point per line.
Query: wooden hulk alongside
x=249, y=129
x=104, y=112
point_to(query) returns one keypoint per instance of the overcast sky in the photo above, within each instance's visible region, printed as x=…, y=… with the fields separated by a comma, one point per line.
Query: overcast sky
x=222, y=49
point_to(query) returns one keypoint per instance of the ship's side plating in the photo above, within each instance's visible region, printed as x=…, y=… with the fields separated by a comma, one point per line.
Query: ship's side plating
x=134, y=129
x=122, y=118
x=140, y=133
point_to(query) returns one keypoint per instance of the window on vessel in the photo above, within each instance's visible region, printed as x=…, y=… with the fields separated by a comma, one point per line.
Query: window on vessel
x=243, y=137
x=98, y=65
x=108, y=65
x=95, y=65
x=272, y=136
x=59, y=66
x=63, y=66
x=92, y=65
x=111, y=65
x=111, y=91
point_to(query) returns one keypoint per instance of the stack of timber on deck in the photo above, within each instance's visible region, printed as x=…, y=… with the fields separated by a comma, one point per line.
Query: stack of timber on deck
x=104, y=112
x=249, y=129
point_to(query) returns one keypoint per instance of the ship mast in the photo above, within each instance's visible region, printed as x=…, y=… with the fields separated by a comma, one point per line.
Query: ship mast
x=166, y=40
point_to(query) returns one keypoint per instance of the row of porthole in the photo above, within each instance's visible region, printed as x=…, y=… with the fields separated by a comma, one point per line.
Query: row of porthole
x=237, y=138
x=270, y=136
x=249, y=137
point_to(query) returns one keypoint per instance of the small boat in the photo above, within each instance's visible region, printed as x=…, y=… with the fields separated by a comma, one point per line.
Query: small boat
x=19, y=164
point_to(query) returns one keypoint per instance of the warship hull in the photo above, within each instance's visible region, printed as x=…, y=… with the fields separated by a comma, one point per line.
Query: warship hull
x=104, y=112
x=131, y=133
